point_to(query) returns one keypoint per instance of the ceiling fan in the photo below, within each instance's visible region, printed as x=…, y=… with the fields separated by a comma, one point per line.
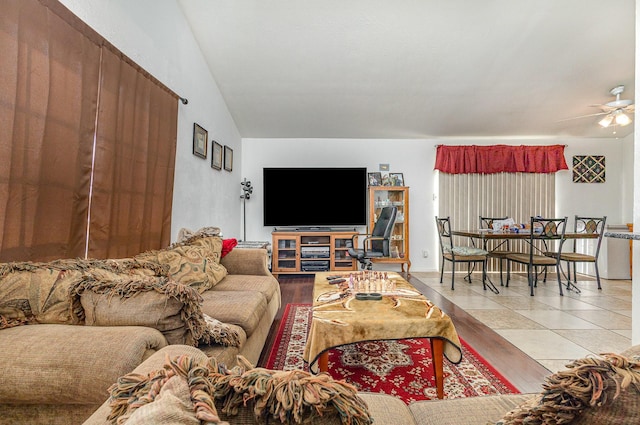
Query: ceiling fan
x=615, y=112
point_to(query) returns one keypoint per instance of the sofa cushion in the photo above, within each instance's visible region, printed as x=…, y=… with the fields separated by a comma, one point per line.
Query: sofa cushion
x=242, y=393
x=35, y=293
x=80, y=364
x=157, y=302
x=594, y=390
x=267, y=285
x=387, y=409
x=192, y=265
x=465, y=411
x=242, y=308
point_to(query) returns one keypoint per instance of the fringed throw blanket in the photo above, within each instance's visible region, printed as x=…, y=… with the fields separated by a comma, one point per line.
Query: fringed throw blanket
x=593, y=390
x=187, y=392
x=116, y=302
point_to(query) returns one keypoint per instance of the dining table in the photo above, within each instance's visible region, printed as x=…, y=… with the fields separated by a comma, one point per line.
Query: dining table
x=486, y=235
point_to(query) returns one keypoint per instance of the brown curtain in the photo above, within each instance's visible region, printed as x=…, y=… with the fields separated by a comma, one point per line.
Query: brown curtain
x=133, y=173
x=50, y=85
x=48, y=90
x=500, y=159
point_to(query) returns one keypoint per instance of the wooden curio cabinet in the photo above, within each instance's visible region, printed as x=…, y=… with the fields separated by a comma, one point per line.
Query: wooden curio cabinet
x=397, y=196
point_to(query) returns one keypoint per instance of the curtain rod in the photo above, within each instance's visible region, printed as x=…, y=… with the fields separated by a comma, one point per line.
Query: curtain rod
x=436, y=146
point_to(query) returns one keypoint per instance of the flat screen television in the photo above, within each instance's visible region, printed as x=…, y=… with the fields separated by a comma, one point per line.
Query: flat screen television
x=315, y=197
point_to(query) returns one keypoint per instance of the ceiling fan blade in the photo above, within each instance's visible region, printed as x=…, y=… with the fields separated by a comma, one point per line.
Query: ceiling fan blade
x=583, y=116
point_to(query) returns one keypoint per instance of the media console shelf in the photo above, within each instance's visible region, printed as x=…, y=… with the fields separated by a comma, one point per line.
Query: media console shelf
x=302, y=252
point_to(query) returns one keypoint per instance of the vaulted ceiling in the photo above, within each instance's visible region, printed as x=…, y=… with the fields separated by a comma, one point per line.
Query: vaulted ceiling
x=417, y=68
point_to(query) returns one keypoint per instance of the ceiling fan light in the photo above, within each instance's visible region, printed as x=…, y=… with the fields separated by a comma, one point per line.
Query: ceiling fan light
x=623, y=119
x=606, y=121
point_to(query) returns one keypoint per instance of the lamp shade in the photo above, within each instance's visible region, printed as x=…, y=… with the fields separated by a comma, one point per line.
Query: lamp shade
x=606, y=121
x=622, y=119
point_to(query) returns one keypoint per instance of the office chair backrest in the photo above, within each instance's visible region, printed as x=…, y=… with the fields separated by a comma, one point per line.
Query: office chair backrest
x=383, y=229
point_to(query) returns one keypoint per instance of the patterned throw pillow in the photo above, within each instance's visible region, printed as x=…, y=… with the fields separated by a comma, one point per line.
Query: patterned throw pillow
x=191, y=265
x=31, y=293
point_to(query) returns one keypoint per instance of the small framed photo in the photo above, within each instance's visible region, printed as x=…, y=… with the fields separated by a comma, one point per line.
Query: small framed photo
x=375, y=179
x=228, y=158
x=396, y=179
x=216, y=155
x=200, y=136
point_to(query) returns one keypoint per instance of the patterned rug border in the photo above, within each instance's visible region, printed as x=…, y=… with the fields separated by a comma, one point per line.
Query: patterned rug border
x=278, y=351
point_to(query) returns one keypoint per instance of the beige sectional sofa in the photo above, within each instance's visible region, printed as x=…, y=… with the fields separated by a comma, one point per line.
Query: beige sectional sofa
x=139, y=339
x=69, y=329
x=594, y=391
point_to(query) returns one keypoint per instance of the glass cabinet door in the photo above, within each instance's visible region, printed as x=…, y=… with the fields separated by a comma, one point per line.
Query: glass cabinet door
x=397, y=196
x=285, y=253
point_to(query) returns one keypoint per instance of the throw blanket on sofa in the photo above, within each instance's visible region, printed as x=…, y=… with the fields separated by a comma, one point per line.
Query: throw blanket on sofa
x=153, y=301
x=187, y=392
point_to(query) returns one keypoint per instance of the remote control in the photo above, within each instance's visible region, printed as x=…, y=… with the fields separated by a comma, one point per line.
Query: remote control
x=336, y=281
x=333, y=277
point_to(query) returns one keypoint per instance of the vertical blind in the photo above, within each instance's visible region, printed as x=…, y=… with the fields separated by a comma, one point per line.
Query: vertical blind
x=75, y=111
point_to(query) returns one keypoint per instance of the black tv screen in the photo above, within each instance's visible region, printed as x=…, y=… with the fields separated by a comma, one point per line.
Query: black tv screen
x=315, y=197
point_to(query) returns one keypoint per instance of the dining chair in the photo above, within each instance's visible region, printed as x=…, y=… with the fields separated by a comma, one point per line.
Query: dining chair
x=590, y=225
x=499, y=249
x=544, y=232
x=458, y=254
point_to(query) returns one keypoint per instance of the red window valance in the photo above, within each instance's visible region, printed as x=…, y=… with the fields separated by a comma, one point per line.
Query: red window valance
x=472, y=159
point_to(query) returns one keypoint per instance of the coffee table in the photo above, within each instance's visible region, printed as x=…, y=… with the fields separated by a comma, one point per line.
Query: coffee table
x=340, y=318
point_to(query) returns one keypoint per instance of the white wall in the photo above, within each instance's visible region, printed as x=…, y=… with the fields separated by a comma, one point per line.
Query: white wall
x=156, y=36
x=415, y=159
x=162, y=43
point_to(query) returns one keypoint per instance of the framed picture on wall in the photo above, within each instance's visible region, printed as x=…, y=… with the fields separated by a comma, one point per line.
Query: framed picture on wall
x=200, y=136
x=228, y=158
x=216, y=155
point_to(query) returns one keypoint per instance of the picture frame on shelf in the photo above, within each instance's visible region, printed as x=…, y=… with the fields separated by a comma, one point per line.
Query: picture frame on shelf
x=216, y=155
x=375, y=179
x=228, y=158
x=200, y=137
x=396, y=179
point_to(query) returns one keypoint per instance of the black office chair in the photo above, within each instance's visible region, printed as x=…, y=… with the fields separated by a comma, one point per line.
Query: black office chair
x=377, y=243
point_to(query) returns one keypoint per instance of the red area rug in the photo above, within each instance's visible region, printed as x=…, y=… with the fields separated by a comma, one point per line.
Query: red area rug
x=402, y=368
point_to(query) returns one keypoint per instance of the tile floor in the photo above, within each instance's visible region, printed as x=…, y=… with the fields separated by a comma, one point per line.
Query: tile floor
x=551, y=329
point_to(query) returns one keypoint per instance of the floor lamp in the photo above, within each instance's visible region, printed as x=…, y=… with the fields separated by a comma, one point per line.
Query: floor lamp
x=247, y=190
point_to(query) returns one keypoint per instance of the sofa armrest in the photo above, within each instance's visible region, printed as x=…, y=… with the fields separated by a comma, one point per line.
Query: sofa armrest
x=250, y=261
x=633, y=351
x=155, y=362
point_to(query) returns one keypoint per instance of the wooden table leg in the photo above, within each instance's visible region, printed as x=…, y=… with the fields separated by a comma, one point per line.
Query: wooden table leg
x=437, y=350
x=323, y=362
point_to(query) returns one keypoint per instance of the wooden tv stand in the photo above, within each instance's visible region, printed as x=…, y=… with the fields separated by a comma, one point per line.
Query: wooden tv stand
x=308, y=252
